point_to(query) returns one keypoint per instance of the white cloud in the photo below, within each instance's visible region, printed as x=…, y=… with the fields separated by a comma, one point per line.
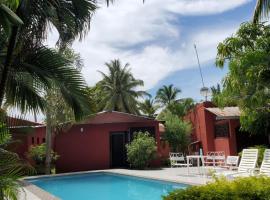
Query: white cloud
x=138, y=33
x=143, y=35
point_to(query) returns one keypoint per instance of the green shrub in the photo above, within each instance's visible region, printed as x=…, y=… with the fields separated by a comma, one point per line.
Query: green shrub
x=141, y=150
x=261, y=149
x=38, y=155
x=251, y=188
x=177, y=132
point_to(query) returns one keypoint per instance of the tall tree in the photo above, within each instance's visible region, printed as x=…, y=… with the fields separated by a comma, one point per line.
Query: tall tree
x=247, y=82
x=261, y=10
x=23, y=46
x=119, y=88
x=167, y=94
x=181, y=107
x=57, y=109
x=148, y=107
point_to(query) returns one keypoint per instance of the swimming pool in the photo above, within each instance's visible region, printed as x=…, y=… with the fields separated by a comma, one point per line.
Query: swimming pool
x=105, y=186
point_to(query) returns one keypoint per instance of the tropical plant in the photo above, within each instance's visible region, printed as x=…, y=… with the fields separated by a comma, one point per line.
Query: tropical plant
x=11, y=167
x=167, y=94
x=177, y=132
x=26, y=64
x=247, y=82
x=141, y=150
x=58, y=111
x=94, y=95
x=7, y=16
x=119, y=88
x=261, y=10
x=38, y=155
x=181, y=107
x=240, y=188
x=148, y=107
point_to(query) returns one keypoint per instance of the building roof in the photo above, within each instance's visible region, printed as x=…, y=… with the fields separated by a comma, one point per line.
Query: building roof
x=225, y=113
x=109, y=117
x=13, y=122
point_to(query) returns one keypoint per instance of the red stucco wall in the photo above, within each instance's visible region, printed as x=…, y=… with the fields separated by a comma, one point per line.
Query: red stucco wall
x=203, y=123
x=23, y=139
x=90, y=149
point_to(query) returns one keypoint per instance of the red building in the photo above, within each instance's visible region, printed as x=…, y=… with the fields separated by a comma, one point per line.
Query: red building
x=216, y=129
x=99, y=142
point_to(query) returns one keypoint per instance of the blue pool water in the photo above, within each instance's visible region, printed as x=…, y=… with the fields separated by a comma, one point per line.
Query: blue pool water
x=105, y=186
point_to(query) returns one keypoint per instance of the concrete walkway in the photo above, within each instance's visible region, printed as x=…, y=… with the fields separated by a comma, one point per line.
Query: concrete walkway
x=178, y=175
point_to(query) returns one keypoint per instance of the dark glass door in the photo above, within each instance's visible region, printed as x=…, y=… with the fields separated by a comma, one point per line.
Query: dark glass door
x=118, y=150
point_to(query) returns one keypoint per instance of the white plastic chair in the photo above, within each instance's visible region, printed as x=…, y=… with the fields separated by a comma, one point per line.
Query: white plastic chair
x=232, y=162
x=177, y=160
x=215, y=158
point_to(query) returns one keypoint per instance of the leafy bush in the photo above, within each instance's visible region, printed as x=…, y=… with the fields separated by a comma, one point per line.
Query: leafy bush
x=141, y=150
x=252, y=188
x=177, y=132
x=38, y=155
x=261, y=149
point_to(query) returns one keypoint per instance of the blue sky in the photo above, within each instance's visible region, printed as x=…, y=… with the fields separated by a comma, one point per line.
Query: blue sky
x=189, y=79
x=157, y=39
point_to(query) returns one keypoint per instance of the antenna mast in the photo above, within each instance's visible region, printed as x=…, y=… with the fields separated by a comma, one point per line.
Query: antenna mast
x=204, y=90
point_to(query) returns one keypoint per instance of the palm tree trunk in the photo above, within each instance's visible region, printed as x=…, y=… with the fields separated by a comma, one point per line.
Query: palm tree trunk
x=48, y=140
x=5, y=73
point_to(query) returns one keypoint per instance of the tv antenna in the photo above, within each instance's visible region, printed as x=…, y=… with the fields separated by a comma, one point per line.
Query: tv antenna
x=204, y=91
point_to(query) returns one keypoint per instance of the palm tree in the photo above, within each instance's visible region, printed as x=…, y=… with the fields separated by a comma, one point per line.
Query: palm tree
x=148, y=107
x=8, y=17
x=119, y=88
x=261, y=10
x=11, y=167
x=70, y=18
x=167, y=94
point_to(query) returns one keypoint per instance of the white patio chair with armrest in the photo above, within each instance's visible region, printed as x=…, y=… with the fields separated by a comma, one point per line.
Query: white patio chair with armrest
x=215, y=158
x=232, y=162
x=177, y=160
x=247, y=164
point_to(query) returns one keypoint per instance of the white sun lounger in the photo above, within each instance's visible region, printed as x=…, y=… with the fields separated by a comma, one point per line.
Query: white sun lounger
x=247, y=164
x=265, y=166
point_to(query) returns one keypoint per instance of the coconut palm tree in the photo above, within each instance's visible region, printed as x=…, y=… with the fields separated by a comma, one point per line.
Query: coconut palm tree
x=167, y=94
x=119, y=88
x=148, y=107
x=261, y=10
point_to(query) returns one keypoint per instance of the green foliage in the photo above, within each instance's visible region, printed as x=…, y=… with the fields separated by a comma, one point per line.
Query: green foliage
x=119, y=88
x=148, y=107
x=141, y=150
x=220, y=97
x=38, y=154
x=181, y=107
x=167, y=94
x=248, y=80
x=177, y=132
x=241, y=188
x=261, y=149
x=261, y=11
x=11, y=167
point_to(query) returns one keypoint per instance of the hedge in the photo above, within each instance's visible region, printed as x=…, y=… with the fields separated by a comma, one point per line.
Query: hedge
x=251, y=188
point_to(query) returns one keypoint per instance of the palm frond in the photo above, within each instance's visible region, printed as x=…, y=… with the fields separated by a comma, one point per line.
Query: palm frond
x=261, y=11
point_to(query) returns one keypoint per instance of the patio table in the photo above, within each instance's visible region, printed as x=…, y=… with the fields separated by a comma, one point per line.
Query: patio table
x=199, y=158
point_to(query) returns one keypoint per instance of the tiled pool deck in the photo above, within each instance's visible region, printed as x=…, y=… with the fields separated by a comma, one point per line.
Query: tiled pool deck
x=178, y=175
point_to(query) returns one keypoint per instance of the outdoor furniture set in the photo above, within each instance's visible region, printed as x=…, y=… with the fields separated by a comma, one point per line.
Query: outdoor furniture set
x=226, y=166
